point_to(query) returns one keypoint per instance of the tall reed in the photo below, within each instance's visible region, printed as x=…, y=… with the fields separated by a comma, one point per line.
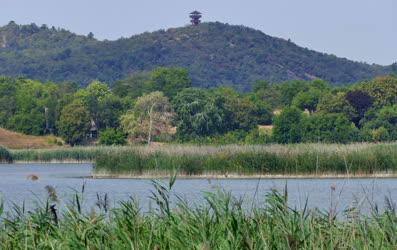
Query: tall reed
x=249, y=160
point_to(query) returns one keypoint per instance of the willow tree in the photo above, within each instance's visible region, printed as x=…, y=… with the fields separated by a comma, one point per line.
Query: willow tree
x=151, y=115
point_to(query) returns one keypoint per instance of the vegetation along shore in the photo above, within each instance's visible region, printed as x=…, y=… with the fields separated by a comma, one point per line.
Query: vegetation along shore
x=237, y=161
x=229, y=161
x=221, y=221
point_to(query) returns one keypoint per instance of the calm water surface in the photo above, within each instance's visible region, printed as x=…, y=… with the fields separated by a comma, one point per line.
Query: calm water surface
x=15, y=187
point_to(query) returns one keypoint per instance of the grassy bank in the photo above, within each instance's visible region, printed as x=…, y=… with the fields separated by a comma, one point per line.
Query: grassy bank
x=299, y=159
x=220, y=222
x=14, y=140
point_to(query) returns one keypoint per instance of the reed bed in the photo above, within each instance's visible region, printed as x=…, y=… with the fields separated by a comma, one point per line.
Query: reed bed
x=231, y=160
x=299, y=159
x=5, y=155
x=219, y=222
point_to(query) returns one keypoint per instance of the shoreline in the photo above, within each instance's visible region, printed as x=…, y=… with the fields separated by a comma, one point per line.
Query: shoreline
x=230, y=176
x=53, y=162
x=246, y=177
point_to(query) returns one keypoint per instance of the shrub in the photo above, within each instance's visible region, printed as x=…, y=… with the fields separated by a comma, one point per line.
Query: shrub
x=379, y=134
x=5, y=155
x=258, y=136
x=112, y=137
x=329, y=128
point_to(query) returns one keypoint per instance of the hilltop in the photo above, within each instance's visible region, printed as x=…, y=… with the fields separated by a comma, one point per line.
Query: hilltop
x=214, y=53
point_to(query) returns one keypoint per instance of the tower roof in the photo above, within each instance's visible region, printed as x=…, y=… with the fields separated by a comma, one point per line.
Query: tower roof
x=195, y=13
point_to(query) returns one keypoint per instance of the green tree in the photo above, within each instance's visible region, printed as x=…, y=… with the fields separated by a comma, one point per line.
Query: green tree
x=288, y=90
x=32, y=123
x=329, y=128
x=151, y=115
x=287, y=126
x=307, y=100
x=197, y=114
x=267, y=93
x=98, y=89
x=388, y=114
x=240, y=111
x=64, y=95
x=96, y=97
x=337, y=103
x=361, y=102
x=110, y=109
x=133, y=87
x=74, y=123
x=384, y=118
x=383, y=90
x=31, y=99
x=262, y=110
x=169, y=80
x=7, y=99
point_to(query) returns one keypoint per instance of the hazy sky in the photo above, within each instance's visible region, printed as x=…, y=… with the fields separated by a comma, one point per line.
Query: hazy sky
x=362, y=30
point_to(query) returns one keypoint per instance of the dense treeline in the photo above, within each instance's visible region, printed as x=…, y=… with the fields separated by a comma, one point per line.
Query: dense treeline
x=214, y=53
x=162, y=105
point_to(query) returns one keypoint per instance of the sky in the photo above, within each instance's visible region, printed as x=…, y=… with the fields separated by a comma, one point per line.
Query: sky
x=361, y=30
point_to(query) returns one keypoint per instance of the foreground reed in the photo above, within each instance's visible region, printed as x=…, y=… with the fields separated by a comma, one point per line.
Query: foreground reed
x=220, y=222
x=299, y=159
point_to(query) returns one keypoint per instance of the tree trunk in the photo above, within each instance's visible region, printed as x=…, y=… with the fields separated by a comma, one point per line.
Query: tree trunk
x=149, y=139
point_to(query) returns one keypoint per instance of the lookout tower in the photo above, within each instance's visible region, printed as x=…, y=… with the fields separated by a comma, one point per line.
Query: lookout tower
x=195, y=16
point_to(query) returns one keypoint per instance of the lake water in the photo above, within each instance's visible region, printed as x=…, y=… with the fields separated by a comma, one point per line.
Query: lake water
x=16, y=187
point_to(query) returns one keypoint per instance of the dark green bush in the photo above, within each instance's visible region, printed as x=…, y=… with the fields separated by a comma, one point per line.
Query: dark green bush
x=112, y=137
x=329, y=128
x=5, y=155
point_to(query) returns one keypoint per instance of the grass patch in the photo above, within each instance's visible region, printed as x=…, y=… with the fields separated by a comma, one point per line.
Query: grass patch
x=299, y=159
x=14, y=140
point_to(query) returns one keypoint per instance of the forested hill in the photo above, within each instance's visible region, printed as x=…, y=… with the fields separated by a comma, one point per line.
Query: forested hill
x=214, y=53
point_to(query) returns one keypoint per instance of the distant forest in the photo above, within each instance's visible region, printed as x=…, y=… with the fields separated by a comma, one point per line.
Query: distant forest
x=162, y=105
x=214, y=54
